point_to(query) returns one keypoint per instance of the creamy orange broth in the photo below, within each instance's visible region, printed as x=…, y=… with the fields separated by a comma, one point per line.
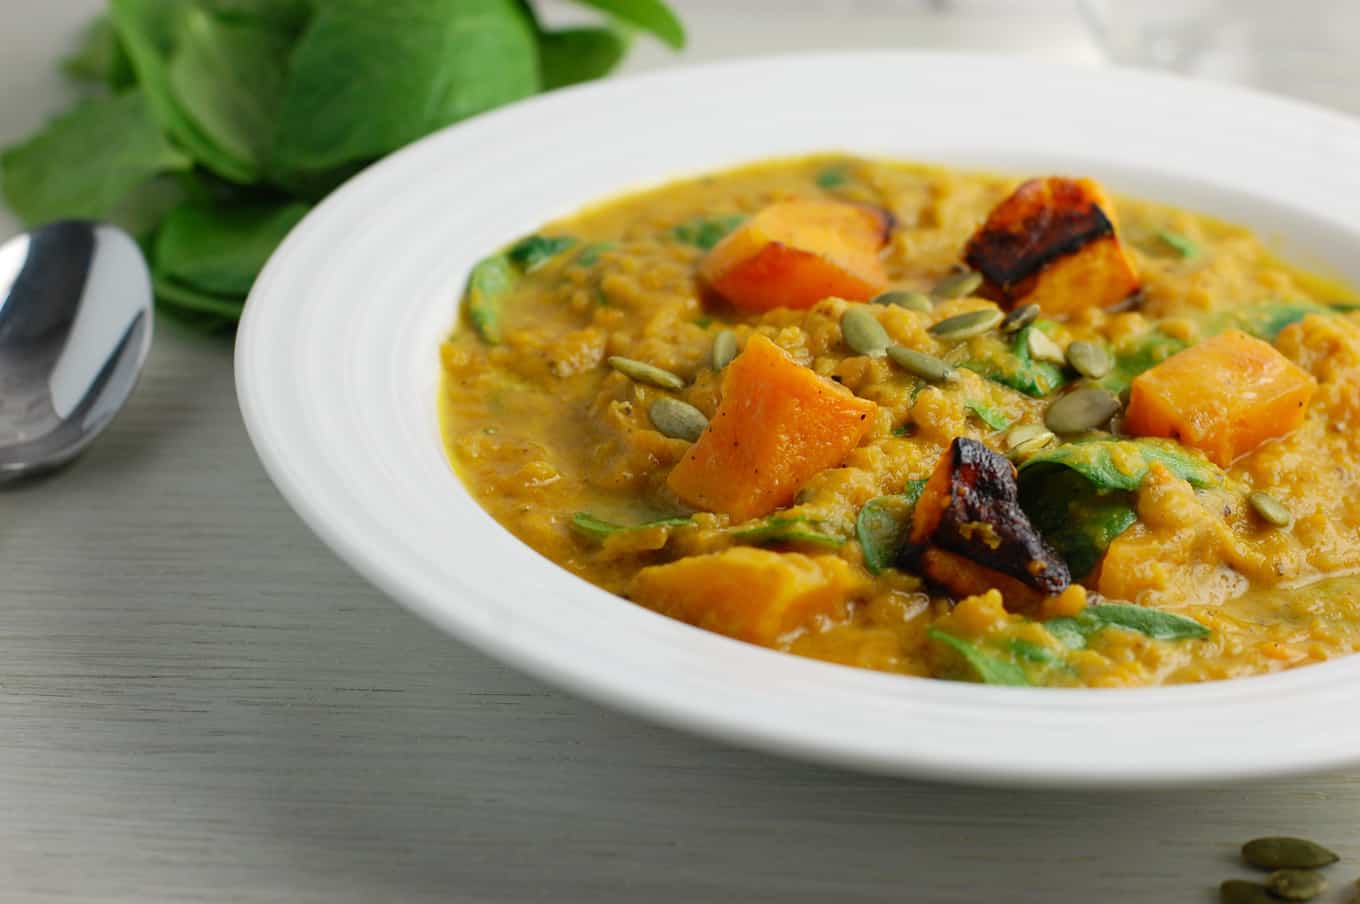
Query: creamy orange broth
x=539, y=428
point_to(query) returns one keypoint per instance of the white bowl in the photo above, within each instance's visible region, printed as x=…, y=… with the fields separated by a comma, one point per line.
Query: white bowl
x=337, y=369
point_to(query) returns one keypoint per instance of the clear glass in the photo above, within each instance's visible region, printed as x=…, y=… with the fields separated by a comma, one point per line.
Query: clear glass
x=1306, y=48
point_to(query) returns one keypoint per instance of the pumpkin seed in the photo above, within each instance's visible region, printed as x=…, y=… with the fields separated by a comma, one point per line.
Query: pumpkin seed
x=863, y=333
x=964, y=326
x=1089, y=359
x=957, y=285
x=1283, y=852
x=919, y=364
x=1240, y=891
x=646, y=373
x=724, y=349
x=1270, y=510
x=1026, y=439
x=912, y=301
x=1043, y=348
x=1020, y=318
x=1296, y=884
x=1082, y=410
x=677, y=419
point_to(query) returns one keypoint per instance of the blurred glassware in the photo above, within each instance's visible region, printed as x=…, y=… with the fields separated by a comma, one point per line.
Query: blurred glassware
x=1305, y=48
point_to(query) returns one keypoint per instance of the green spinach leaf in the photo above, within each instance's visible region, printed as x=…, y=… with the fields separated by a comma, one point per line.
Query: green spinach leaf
x=1121, y=464
x=1009, y=363
x=776, y=529
x=985, y=667
x=649, y=15
x=148, y=31
x=597, y=529
x=369, y=76
x=534, y=251
x=1182, y=246
x=987, y=414
x=883, y=526
x=100, y=58
x=833, y=176
x=186, y=298
x=489, y=282
x=1075, y=630
x=1076, y=518
x=578, y=55
x=705, y=232
x=590, y=254
x=87, y=162
x=228, y=76
x=220, y=249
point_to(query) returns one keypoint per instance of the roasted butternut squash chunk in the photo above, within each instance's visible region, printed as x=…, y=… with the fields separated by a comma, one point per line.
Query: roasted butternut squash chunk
x=795, y=253
x=1052, y=242
x=970, y=508
x=778, y=424
x=1224, y=396
x=751, y=594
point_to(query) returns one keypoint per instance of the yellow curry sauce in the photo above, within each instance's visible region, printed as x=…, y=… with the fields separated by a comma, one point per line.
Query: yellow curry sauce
x=545, y=433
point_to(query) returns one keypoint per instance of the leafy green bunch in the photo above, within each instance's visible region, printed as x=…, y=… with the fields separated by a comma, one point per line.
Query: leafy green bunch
x=210, y=127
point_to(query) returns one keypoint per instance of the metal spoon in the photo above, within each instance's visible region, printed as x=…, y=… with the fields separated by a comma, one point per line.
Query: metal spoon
x=75, y=328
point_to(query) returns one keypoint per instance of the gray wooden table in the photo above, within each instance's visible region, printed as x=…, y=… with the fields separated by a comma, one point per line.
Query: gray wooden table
x=198, y=702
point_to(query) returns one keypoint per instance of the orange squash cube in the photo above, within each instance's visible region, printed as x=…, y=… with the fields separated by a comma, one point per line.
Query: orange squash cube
x=1052, y=242
x=1224, y=396
x=795, y=253
x=755, y=595
x=778, y=424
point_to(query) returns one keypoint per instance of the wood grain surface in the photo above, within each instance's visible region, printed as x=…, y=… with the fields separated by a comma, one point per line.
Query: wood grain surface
x=200, y=703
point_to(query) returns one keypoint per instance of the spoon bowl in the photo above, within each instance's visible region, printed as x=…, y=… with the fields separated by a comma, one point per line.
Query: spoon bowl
x=75, y=329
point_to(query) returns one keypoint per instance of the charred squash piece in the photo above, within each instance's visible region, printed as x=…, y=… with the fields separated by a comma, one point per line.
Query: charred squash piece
x=964, y=578
x=970, y=508
x=794, y=253
x=1052, y=242
x=1225, y=396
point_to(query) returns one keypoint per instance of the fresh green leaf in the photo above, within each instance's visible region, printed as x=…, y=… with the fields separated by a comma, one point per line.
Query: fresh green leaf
x=370, y=76
x=1155, y=623
x=985, y=667
x=534, y=251
x=705, y=232
x=220, y=249
x=578, y=55
x=87, y=162
x=1187, y=249
x=833, y=176
x=1076, y=518
x=1264, y=320
x=488, y=284
x=649, y=15
x=597, y=529
x=172, y=294
x=1008, y=362
x=288, y=17
x=590, y=254
x=987, y=414
x=1032, y=652
x=100, y=58
x=148, y=31
x=1121, y=464
x=228, y=76
x=777, y=529
x=1133, y=357
x=1075, y=630
x=884, y=526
